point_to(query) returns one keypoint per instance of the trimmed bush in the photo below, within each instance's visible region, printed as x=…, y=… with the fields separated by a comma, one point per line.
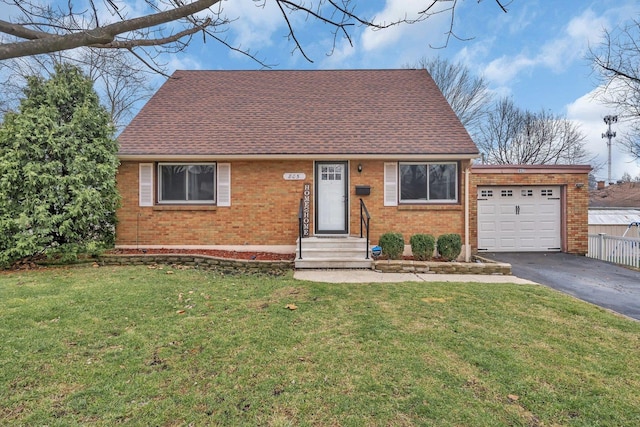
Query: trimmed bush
x=392, y=245
x=422, y=246
x=449, y=246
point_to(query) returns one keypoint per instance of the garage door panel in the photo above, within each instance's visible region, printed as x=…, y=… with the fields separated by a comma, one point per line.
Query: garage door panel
x=551, y=207
x=486, y=209
x=508, y=244
x=549, y=242
x=519, y=218
x=489, y=242
x=527, y=226
x=507, y=209
x=489, y=227
x=548, y=226
x=528, y=244
x=506, y=226
x=527, y=207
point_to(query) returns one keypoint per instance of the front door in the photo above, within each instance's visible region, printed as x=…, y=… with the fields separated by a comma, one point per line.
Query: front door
x=331, y=197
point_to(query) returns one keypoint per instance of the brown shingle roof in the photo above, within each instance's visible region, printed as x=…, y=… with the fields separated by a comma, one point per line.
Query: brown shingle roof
x=622, y=195
x=341, y=112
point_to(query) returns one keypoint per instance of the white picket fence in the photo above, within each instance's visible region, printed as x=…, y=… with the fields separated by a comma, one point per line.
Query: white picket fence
x=619, y=250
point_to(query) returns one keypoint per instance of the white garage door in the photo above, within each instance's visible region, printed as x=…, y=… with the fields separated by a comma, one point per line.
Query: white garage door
x=519, y=219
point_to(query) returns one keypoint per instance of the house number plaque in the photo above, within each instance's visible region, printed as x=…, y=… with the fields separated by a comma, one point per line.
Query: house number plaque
x=294, y=176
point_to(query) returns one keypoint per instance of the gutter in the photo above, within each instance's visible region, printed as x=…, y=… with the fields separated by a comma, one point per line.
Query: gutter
x=345, y=156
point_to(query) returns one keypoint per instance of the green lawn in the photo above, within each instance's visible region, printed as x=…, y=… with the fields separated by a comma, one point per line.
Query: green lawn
x=141, y=346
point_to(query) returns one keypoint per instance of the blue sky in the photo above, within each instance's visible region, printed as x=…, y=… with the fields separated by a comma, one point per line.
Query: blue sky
x=535, y=53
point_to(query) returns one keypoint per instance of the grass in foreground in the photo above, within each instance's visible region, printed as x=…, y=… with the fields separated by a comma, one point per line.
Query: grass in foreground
x=143, y=347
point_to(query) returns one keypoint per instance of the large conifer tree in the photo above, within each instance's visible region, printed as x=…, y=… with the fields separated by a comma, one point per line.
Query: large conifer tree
x=58, y=161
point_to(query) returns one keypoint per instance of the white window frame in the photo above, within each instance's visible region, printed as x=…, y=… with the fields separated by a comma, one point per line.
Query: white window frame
x=428, y=201
x=188, y=202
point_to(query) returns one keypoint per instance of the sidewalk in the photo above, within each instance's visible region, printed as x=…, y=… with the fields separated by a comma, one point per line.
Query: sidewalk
x=370, y=276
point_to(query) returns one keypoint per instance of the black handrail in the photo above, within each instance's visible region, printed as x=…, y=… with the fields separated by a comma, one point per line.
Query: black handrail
x=300, y=210
x=363, y=210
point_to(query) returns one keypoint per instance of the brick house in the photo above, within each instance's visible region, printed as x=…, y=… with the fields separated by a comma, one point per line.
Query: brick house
x=239, y=159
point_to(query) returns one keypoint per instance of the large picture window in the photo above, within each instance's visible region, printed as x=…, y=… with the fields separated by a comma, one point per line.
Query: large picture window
x=428, y=182
x=186, y=183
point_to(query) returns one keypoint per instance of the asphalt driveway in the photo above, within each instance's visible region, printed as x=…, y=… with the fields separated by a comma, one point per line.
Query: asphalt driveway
x=606, y=285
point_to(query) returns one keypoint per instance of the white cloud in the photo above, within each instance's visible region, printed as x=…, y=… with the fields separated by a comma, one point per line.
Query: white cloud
x=183, y=62
x=254, y=24
x=506, y=68
x=521, y=16
x=396, y=10
x=339, y=56
x=588, y=113
x=557, y=54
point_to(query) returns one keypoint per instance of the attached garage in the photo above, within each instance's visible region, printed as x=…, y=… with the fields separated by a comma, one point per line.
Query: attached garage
x=519, y=219
x=526, y=208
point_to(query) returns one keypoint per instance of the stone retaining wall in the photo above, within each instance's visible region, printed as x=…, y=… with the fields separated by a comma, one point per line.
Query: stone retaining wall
x=397, y=266
x=204, y=262
x=278, y=268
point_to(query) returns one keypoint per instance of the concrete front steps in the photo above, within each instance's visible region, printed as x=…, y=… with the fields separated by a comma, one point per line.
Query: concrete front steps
x=333, y=252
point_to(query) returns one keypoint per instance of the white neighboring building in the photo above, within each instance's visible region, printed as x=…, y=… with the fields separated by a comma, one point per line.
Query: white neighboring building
x=613, y=208
x=614, y=222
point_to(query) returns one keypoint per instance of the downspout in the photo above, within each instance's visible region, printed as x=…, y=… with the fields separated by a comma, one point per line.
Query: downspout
x=467, y=248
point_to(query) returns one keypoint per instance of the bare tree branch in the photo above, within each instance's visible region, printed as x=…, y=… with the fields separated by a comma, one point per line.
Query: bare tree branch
x=514, y=136
x=616, y=62
x=468, y=95
x=46, y=28
x=121, y=81
x=42, y=42
x=451, y=10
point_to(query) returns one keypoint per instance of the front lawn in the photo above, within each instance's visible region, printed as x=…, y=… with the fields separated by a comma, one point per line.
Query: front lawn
x=141, y=346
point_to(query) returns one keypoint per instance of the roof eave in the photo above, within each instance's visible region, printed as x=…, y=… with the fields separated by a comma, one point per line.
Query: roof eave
x=222, y=157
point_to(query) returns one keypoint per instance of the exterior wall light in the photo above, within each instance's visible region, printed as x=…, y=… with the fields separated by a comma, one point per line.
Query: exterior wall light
x=359, y=167
x=579, y=185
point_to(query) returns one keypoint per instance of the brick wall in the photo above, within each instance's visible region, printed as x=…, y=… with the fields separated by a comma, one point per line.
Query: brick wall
x=264, y=209
x=435, y=219
x=574, y=199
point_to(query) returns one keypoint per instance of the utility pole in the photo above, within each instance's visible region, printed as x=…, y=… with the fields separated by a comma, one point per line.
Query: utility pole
x=609, y=135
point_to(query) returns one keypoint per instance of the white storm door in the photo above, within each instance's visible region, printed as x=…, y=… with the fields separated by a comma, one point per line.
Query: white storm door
x=331, y=197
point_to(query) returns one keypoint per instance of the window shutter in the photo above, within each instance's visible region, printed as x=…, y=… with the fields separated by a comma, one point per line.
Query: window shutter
x=391, y=184
x=145, y=192
x=224, y=184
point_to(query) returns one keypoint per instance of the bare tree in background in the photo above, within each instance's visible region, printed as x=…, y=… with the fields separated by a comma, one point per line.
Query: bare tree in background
x=510, y=135
x=468, y=95
x=170, y=25
x=617, y=63
x=626, y=177
x=122, y=83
